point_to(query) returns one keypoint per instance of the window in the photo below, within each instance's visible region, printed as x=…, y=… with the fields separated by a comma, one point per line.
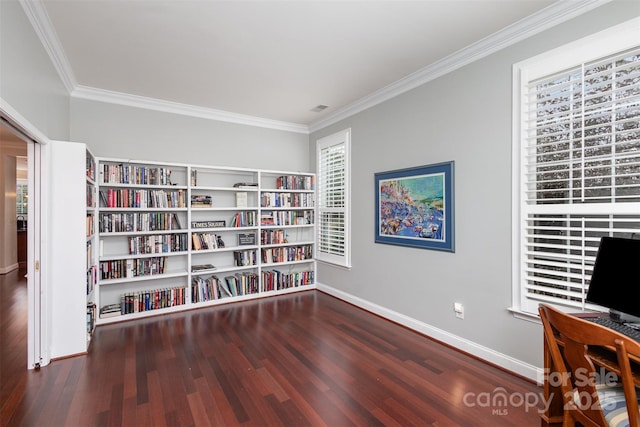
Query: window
x=333, y=242
x=22, y=198
x=576, y=163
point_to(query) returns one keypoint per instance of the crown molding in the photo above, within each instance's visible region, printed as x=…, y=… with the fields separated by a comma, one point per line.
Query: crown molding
x=102, y=95
x=555, y=14
x=39, y=19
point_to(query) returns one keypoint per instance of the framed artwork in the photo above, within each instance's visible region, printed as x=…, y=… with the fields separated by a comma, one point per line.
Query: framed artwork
x=415, y=207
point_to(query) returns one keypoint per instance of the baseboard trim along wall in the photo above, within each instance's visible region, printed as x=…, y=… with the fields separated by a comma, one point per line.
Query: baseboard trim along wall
x=9, y=269
x=502, y=360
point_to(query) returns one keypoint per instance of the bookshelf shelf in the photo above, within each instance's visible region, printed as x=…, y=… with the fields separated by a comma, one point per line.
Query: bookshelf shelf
x=234, y=189
x=214, y=216
x=222, y=229
x=106, y=282
x=225, y=249
x=226, y=269
x=273, y=264
x=144, y=186
x=224, y=208
x=142, y=314
x=141, y=233
x=271, y=226
x=144, y=255
x=143, y=209
x=280, y=245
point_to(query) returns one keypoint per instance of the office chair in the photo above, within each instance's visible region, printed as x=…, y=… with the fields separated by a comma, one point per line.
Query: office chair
x=574, y=345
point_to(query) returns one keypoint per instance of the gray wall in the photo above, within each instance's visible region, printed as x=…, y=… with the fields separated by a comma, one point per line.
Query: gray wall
x=464, y=116
x=133, y=133
x=28, y=81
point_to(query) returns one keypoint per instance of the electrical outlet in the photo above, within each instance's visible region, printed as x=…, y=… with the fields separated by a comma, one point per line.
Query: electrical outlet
x=458, y=308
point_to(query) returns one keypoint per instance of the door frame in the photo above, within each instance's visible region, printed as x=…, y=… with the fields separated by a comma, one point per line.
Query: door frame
x=37, y=295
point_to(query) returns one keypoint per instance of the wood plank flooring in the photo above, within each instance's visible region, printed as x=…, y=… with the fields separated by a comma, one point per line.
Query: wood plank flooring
x=305, y=359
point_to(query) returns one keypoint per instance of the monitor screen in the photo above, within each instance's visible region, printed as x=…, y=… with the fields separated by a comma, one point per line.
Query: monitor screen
x=615, y=282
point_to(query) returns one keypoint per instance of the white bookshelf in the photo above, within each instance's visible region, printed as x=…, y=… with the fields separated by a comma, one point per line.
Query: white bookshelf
x=215, y=215
x=92, y=241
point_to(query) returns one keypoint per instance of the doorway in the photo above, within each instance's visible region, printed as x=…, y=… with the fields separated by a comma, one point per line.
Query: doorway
x=20, y=243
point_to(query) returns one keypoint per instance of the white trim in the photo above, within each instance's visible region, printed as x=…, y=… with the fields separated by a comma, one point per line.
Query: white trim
x=108, y=96
x=37, y=291
x=507, y=362
x=9, y=269
x=39, y=19
x=592, y=47
x=553, y=15
x=342, y=137
x=25, y=126
x=589, y=48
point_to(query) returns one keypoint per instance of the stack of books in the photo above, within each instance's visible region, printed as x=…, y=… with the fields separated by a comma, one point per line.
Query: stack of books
x=200, y=201
x=110, y=310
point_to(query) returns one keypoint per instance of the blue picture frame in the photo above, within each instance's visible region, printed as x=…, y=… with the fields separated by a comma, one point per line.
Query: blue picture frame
x=415, y=207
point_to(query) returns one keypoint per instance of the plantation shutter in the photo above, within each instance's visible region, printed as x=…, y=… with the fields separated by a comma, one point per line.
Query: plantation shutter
x=332, y=244
x=580, y=165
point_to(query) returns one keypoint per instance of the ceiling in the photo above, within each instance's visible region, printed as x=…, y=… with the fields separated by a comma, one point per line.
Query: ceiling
x=270, y=60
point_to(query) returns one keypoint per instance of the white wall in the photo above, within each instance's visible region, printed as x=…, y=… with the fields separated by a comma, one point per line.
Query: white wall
x=111, y=130
x=464, y=116
x=28, y=81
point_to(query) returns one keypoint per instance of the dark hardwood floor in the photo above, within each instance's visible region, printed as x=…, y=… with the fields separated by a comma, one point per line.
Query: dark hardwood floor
x=295, y=360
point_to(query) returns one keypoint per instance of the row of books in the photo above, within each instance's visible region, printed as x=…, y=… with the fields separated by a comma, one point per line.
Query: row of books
x=91, y=196
x=128, y=268
x=202, y=241
x=90, y=167
x=285, y=254
x=201, y=201
x=138, y=221
x=286, y=217
x=91, y=318
x=244, y=258
x=286, y=200
x=275, y=280
x=241, y=284
x=90, y=225
x=141, y=301
x=160, y=243
x=244, y=219
x=202, y=289
x=295, y=182
x=212, y=288
x=135, y=175
x=89, y=253
x=137, y=198
x=273, y=237
x=205, y=289
x=92, y=277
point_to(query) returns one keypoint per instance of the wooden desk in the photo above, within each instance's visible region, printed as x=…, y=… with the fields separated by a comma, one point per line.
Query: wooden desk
x=603, y=358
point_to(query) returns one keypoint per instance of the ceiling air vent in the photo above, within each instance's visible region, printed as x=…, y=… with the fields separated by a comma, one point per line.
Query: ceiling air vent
x=319, y=108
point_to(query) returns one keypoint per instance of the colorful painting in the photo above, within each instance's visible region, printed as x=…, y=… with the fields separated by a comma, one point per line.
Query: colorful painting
x=414, y=207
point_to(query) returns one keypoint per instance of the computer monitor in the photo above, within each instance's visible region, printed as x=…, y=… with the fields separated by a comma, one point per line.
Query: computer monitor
x=615, y=281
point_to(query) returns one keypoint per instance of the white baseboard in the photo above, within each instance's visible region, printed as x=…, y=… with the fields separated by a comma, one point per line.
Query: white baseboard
x=9, y=269
x=504, y=361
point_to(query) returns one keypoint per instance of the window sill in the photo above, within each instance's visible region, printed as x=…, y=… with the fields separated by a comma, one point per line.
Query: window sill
x=523, y=315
